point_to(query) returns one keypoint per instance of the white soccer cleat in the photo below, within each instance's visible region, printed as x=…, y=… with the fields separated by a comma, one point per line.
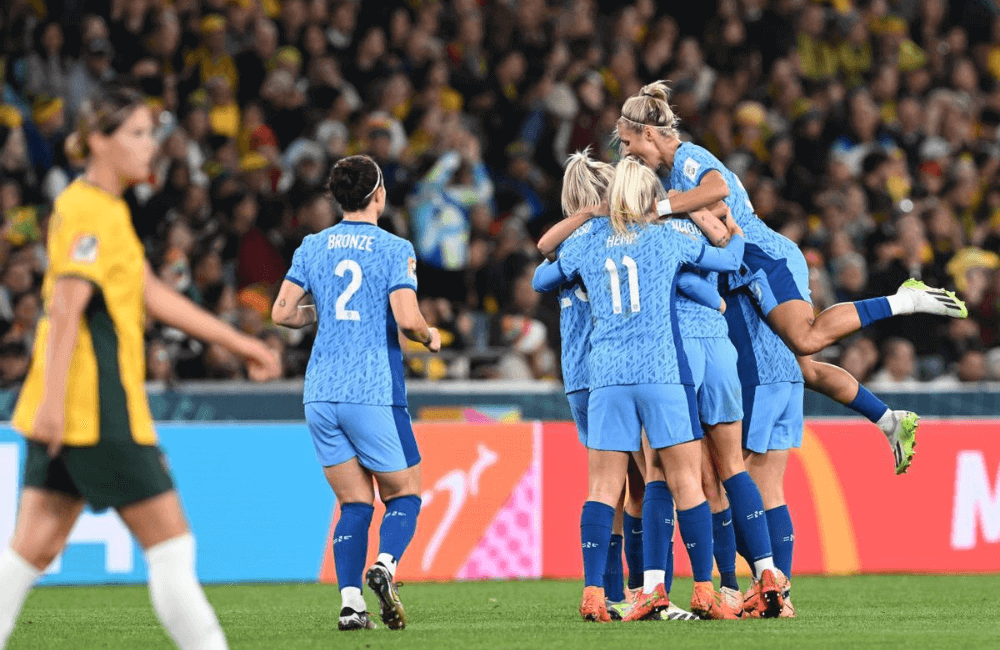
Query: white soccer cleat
x=675, y=613
x=928, y=300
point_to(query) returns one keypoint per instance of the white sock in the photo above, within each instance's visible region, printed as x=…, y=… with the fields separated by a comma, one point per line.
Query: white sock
x=901, y=303
x=17, y=577
x=351, y=597
x=763, y=565
x=887, y=422
x=179, y=600
x=650, y=579
x=388, y=562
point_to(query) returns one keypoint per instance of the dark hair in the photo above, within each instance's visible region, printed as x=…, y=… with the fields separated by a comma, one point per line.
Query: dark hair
x=353, y=182
x=103, y=113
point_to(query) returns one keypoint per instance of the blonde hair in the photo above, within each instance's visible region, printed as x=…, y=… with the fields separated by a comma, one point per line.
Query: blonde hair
x=634, y=192
x=649, y=108
x=585, y=182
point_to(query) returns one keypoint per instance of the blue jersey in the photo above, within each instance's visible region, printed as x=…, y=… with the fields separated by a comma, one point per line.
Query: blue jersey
x=691, y=163
x=697, y=320
x=575, y=326
x=763, y=356
x=631, y=282
x=350, y=270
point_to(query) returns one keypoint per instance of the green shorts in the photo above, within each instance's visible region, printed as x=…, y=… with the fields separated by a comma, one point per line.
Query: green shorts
x=112, y=474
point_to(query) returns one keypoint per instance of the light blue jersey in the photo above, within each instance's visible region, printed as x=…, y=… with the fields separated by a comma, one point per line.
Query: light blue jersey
x=763, y=356
x=350, y=270
x=631, y=281
x=697, y=320
x=691, y=163
x=575, y=326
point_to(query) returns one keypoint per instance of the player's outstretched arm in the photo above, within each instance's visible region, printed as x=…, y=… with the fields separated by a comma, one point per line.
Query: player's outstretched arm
x=712, y=188
x=557, y=234
x=290, y=308
x=701, y=291
x=713, y=227
x=547, y=277
x=722, y=260
x=406, y=311
x=169, y=307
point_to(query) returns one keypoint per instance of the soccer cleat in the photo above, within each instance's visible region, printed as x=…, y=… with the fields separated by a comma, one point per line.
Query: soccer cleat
x=617, y=609
x=648, y=606
x=352, y=620
x=593, y=607
x=772, y=587
x=675, y=613
x=380, y=582
x=752, y=602
x=732, y=602
x=929, y=300
x=788, y=611
x=903, y=439
x=707, y=603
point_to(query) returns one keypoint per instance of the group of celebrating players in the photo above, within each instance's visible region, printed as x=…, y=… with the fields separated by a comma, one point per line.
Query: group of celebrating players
x=686, y=329
x=686, y=334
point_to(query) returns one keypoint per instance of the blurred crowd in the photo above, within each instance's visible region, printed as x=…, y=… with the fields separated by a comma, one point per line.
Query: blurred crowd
x=868, y=131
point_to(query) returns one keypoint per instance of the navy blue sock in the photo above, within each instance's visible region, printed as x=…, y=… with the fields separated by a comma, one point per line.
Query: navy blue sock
x=873, y=309
x=633, y=550
x=868, y=405
x=398, y=525
x=779, y=524
x=595, y=536
x=614, y=578
x=668, y=575
x=748, y=515
x=350, y=543
x=744, y=553
x=724, y=539
x=696, y=531
x=657, y=525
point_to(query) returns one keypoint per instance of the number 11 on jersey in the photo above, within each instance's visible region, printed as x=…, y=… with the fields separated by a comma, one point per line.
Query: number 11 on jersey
x=633, y=284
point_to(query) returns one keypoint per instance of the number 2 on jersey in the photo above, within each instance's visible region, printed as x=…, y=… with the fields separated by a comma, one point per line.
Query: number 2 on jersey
x=342, y=312
x=633, y=284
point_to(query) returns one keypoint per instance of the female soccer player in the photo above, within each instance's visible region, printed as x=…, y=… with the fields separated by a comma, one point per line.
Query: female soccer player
x=363, y=282
x=83, y=408
x=640, y=378
x=647, y=129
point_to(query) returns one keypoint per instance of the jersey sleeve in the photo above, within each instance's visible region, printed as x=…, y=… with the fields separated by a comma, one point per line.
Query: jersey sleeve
x=299, y=271
x=699, y=290
x=722, y=260
x=76, y=248
x=402, y=267
x=547, y=277
x=694, y=162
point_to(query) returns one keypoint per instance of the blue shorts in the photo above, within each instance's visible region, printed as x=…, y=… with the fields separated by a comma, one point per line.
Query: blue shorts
x=773, y=417
x=774, y=281
x=578, y=407
x=716, y=380
x=667, y=412
x=381, y=437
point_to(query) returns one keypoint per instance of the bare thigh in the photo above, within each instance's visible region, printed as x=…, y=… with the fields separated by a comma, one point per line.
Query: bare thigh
x=768, y=472
x=606, y=472
x=724, y=441
x=155, y=520
x=351, y=483
x=404, y=483
x=44, y=522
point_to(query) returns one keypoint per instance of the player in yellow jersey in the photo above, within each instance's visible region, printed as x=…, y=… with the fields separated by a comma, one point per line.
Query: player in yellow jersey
x=83, y=408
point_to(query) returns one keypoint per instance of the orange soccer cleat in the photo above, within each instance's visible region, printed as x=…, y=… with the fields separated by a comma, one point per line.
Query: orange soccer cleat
x=788, y=611
x=648, y=605
x=707, y=603
x=751, y=602
x=592, y=607
x=773, y=586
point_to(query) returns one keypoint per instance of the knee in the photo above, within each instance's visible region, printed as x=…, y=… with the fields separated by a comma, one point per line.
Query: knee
x=41, y=552
x=685, y=486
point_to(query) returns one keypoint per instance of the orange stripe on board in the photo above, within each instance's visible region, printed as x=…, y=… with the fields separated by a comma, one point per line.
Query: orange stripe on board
x=839, y=544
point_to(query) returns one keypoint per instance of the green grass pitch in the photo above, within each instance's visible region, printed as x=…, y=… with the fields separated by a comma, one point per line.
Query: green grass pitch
x=913, y=612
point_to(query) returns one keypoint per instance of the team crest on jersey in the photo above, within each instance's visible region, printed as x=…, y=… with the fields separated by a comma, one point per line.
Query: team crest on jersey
x=411, y=267
x=691, y=169
x=85, y=249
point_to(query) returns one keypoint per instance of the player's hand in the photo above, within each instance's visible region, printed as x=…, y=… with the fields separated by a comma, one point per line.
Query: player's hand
x=734, y=228
x=722, y=307
x=263, y=363
x=49, y=427
x=434, y=345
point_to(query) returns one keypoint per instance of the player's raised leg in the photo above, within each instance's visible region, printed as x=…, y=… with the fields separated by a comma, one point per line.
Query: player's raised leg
x=45, y=519
x=159, y=526
x=899, y=427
